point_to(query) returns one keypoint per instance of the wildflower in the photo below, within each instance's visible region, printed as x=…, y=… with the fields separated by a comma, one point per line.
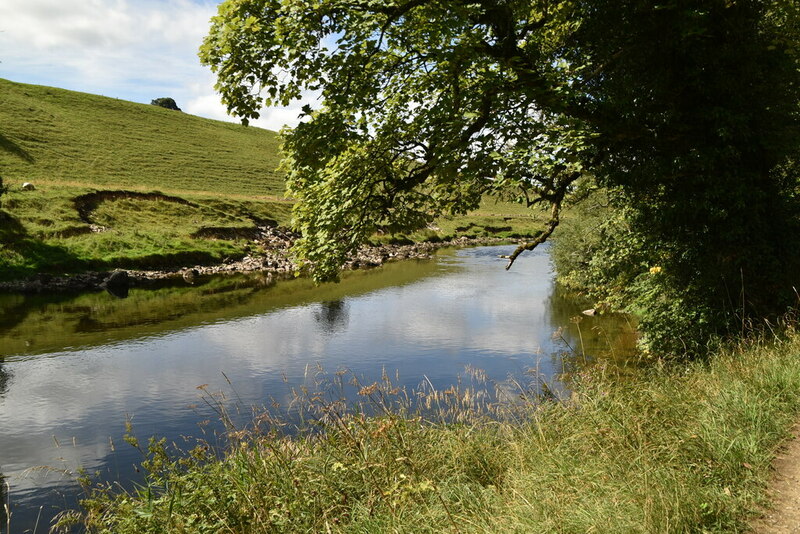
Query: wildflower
x=655, y=269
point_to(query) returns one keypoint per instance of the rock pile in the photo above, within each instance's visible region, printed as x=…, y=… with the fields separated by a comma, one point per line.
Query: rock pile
x=273, y=257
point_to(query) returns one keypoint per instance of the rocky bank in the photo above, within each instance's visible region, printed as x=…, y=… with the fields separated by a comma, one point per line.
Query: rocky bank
x=274, y=244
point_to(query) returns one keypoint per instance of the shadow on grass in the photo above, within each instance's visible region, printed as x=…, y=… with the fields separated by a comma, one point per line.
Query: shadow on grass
x=169, y=260
x=38, y=258
x=10, y=146
x=10, y=228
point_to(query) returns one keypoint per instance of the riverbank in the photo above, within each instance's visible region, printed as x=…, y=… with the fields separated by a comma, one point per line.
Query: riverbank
x=273, y=244
x=672, y=449
x=149, y=189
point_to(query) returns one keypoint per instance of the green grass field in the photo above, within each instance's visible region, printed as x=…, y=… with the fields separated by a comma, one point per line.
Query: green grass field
x=71, y=144
x=58, y=137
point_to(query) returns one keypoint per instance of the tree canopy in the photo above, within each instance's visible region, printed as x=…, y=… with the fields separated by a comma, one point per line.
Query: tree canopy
x=687, y=109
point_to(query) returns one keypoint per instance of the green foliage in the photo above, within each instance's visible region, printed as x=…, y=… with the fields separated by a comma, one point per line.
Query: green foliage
x=166, y=102
x=676, y=449
x=597, y=253
x=689, y=111
x=417, y=118
x=702, y=132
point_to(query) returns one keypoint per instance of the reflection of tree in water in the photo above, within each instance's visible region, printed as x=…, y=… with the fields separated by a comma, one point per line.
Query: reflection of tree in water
x=3, y=502
x=588, y=336
x=4, y=379
x=564, y=309
x=564, y=305
x=13, y=309
x=332, y=316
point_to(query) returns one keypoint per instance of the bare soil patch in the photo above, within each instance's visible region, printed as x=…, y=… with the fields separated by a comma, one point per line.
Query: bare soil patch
x=783, y=516
x=86, y=204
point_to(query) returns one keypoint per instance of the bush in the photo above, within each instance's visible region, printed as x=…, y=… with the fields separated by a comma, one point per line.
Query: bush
x=167, y=102
x=599, y=253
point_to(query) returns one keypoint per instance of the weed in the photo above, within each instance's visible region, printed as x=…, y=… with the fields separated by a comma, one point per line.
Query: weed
x=670, y=449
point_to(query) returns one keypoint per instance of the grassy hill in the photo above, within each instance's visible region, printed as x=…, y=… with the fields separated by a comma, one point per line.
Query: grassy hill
x=121, y=184
x=208, y=174
x=54, y=136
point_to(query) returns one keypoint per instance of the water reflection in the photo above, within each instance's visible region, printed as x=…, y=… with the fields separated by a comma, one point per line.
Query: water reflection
x=97, y=360
x=3, y=503
x=332, y=316
x=120, y=292
x=4, y=379
x=612, y=336
x=38, y=324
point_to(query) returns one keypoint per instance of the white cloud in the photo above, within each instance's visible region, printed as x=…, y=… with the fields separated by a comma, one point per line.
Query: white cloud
x=207, y=105
x=130, y=49
x=202, y=100
x=276, y=118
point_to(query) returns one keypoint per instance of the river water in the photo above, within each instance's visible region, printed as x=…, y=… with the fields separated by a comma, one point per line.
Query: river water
x=75, y=368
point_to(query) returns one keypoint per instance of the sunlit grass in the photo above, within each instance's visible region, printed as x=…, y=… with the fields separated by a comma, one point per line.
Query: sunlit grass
x=54, y=136
x=44, y=231
x=70, y=144
x=672, y=449
x=494, y=218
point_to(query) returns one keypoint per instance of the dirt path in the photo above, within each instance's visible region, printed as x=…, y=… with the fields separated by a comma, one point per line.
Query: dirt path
x=784, y=515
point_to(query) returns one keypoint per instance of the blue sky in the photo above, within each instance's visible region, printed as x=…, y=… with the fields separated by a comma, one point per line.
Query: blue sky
x=130, y=49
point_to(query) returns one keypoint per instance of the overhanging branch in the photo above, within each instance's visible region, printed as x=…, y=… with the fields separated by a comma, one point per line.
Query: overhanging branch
x=542, y=237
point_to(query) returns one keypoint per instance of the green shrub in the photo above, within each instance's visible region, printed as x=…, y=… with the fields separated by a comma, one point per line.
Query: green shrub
x=602, y=252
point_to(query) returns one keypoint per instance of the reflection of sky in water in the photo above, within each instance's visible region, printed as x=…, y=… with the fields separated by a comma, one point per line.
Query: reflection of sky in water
x=477, y=315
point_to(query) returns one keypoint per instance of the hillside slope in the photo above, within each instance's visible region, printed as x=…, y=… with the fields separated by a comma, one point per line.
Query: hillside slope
x=55, y=136
x=120, y=184
x=126, y=185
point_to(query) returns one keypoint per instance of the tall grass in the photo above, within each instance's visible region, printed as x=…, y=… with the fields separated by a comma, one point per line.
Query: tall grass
x=672, y=449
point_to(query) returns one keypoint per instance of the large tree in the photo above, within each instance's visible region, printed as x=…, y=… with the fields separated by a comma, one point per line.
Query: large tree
x=688, y=108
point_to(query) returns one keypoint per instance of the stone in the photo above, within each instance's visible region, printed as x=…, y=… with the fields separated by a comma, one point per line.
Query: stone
x=117, y=284
x=190, y=276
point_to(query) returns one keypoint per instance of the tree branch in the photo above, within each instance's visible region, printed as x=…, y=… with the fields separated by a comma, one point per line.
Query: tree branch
x=481, y=120
x=542, y=237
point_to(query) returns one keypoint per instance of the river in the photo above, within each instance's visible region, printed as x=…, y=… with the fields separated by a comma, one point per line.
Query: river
x=75, y=368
